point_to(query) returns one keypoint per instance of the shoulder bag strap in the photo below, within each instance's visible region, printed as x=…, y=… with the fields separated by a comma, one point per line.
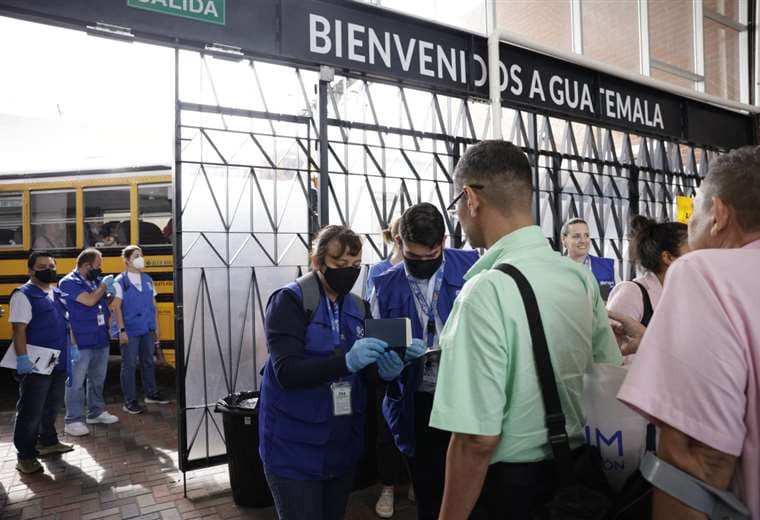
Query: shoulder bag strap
x=648, y=310
x=309, y=293
x=555, y=418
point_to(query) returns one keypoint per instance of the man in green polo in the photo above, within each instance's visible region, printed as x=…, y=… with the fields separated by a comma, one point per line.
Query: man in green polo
x=488, y=393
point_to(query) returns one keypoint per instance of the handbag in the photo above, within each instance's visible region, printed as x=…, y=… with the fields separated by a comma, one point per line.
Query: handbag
x=582, y=491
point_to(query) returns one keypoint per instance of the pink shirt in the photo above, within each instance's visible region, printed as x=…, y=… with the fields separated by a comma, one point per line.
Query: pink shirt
x=698, y=365
x=626, y=298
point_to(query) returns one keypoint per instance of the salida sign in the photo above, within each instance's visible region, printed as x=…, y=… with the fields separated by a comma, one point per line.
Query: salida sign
x=345, y=36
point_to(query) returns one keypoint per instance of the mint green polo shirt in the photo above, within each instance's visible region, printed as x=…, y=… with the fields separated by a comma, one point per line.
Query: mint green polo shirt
x=487, y=381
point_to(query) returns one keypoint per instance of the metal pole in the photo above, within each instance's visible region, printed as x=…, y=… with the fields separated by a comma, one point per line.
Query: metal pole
x=494, y=78
x=326, y=75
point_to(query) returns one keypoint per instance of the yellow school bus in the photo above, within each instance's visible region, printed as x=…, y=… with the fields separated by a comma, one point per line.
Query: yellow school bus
x=65, y=212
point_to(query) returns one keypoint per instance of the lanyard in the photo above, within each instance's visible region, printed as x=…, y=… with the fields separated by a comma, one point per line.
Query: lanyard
x=587, y=262
x=428, y=309
x=334, y=312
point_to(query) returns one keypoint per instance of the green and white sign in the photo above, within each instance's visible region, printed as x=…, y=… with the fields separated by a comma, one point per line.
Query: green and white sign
x=209, y=11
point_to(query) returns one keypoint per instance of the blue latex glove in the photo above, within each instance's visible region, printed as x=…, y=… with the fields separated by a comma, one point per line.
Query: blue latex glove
x=415, y=350
x=389, y=366
x=73, y=353
x=24, y=365
x=108, y=282
x=364, y=352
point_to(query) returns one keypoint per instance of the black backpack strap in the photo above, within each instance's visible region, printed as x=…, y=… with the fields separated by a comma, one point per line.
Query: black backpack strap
x=361, y=304
x=648, y=310
x=309, y=285
x=555, y=418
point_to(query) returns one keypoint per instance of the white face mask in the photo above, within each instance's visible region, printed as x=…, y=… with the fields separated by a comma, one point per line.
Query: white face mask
x=138, y=263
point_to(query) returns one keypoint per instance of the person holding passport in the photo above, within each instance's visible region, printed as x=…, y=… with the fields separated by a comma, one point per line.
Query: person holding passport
x=38, y=317
x=313, y=400
x=422, y=288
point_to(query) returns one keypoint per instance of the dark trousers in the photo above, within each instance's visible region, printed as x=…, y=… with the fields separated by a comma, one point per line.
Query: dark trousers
x=428, y=466
x=513, y=491
x=310, y=499
x=389, y=459
x=40, y=399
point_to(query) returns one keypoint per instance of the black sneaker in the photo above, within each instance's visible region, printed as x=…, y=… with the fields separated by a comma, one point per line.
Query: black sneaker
x=133, y=408
x=156, y=399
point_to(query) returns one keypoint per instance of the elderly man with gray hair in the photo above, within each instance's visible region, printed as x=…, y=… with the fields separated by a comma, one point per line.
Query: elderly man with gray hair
x=697, y=371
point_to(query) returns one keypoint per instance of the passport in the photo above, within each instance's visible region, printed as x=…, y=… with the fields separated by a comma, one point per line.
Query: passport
x=396, y=332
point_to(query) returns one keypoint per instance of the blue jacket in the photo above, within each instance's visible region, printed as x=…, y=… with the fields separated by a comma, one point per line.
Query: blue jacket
x=603, y=269
x=300, y=438
x=395, y=300
x=48, y=327
x=84, y=319
x=137, y=307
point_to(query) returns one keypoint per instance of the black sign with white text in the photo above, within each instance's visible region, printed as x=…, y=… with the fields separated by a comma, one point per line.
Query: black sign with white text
x=361, y=39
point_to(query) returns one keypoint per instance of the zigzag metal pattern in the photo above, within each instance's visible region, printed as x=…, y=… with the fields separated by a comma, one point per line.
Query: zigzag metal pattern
x=242, y=163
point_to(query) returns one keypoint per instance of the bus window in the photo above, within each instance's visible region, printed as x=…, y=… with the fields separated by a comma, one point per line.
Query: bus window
x=11, y=220
x=155, y=214
x=53, y=219
x=106, y=216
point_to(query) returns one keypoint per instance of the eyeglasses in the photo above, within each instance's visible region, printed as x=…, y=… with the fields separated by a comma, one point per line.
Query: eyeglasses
x=453, y=206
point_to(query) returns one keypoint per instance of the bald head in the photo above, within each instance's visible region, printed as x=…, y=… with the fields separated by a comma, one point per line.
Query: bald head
x=503, y=171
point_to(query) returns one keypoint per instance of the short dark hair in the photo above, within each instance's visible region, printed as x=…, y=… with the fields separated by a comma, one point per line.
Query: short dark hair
x=87, y=256
x=422, y=224
x=504, y=171
x=34, y=256
x=649, y=239
x=128, y=251
x=735, y=178
x=343, y=234
x=566, y=226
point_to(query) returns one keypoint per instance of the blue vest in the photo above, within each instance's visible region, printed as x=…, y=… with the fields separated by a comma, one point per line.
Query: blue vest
x=395, y=300
x=48, y=327
x=84, y=319
x=604, y=270
x=137, y=307
x=299, y=437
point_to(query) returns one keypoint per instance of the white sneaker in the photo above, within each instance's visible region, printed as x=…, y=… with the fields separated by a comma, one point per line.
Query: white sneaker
x=76, y=429
x=412, y=496
x=384, y=506
x=104, y=418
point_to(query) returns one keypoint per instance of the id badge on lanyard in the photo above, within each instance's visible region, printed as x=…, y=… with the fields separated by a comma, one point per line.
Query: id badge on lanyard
x=340, y=390
x=341, y=398
x=101, y=317
x=429, y=309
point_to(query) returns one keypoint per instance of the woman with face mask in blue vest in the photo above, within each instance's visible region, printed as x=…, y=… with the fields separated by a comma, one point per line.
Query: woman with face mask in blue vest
x=313, y=392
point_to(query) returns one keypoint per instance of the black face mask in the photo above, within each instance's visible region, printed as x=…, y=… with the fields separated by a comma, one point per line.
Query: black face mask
x=46, y=275
x=341, y=280
x=423, y=269
x=94, y=274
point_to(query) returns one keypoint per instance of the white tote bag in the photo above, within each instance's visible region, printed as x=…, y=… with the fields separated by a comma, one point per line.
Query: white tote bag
x=618, y=431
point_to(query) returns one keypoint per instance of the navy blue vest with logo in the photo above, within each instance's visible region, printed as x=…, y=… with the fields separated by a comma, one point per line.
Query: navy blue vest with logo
x=395, y=300
x=604, y=270
x=84, y=319
x=137, y=307
x=300, y=438
x=48, y=327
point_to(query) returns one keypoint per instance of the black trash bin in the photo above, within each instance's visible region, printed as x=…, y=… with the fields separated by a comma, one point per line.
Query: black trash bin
x=241, y=432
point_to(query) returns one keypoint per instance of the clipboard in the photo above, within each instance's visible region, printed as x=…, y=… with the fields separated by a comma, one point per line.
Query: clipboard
x=43, y=359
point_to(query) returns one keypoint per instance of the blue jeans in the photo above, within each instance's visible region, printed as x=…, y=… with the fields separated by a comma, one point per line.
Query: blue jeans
x=310, y=499
x=91, y=368
x=144, y=348
x=39, y=399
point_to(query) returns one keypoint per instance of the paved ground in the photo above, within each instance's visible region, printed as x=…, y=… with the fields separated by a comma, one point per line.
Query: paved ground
x=129, y=470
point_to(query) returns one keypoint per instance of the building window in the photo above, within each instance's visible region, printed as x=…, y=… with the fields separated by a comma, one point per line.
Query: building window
x=53, y=219
x=11, y=220
x=611, y=32
x=106, y=217
x=547, y=22
x=671, y=41
x=155, y=214
x=723, y=56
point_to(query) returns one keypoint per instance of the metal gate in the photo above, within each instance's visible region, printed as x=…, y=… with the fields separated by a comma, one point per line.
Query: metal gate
x=248, y=180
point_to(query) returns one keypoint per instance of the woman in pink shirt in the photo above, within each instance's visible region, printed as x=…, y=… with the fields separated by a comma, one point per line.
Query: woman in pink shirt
x=654, y=247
